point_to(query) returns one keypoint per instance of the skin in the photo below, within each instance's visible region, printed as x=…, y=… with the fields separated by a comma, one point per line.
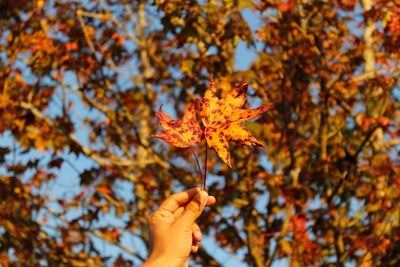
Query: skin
x=174, y=232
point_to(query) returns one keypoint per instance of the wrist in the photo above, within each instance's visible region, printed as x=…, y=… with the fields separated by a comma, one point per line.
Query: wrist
x=163, y=261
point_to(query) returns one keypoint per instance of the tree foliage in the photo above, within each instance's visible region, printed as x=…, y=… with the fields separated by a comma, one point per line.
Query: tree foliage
x=80, y=81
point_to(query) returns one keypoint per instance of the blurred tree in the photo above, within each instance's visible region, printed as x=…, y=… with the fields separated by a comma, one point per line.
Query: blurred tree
x=81, y=79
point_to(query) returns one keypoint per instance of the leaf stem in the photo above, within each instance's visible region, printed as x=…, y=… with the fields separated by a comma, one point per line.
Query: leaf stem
x=205, y=170
x=198, y=165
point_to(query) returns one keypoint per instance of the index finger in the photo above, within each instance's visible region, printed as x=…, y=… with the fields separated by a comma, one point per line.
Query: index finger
x=173, y=202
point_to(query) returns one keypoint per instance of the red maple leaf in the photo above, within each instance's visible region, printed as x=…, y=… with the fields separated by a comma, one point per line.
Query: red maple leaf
x=223, y=118
x=180, y=133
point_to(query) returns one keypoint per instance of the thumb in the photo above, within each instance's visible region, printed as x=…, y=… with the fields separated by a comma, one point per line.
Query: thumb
x=193, y=210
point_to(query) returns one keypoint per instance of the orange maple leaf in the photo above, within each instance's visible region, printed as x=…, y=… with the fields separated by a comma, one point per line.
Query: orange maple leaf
x=223, y=118
x=180, y=133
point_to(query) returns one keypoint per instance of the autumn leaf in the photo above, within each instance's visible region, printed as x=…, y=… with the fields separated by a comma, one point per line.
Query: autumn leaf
x=103, y=190
x=286, y=6
x=180, y=133
x=223, y=118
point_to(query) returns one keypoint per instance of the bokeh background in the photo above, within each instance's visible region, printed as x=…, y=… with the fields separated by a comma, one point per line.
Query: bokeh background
x=79, y=173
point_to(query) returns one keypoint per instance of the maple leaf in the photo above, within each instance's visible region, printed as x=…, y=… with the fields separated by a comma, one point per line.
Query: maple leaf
x=223, y=118
x=180, y=133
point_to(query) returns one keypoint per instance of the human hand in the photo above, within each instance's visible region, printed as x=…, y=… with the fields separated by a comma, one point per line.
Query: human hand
x=173, y=230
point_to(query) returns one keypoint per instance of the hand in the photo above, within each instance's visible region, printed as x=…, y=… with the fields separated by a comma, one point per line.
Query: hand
x=173, y=230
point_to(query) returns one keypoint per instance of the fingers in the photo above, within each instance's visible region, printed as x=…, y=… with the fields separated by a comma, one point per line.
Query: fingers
x=193, y=210
x=197, y=237
x=211, y=201
x=178, y=213
x=195, y=247
x=161, y=216
x=173, y=202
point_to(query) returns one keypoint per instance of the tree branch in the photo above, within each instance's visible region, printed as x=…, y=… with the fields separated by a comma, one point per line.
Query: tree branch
x=113, y=160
